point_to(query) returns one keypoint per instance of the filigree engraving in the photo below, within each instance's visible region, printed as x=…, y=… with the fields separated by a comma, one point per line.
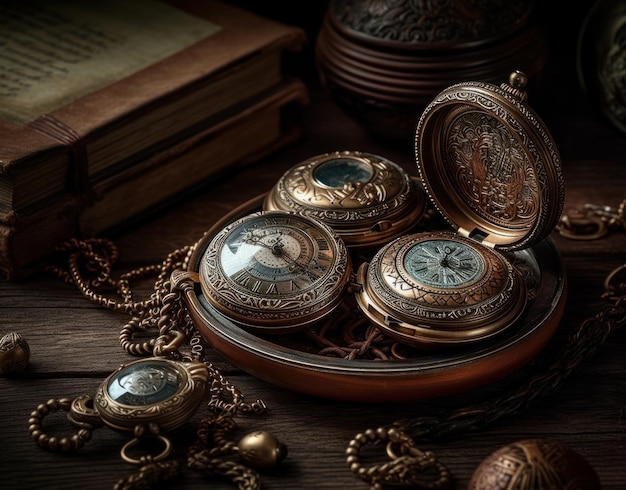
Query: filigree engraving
x=363, y=197
x=491, y=170
x=403, y=294
x=432, y=21
x=543, y=179
x=183, y=390
x=530, y=464
x=612, y=74
x=384, y=182
x=239, y=279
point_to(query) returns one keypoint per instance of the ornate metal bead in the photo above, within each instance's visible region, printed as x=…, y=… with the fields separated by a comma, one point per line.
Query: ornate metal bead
x=261, y=449
x=534, y=463
x=14, y=353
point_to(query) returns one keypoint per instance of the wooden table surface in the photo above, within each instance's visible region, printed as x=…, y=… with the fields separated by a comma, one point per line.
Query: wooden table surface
x=74, y=343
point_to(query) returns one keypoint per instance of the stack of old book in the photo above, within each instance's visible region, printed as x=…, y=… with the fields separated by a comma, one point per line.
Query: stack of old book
x=110, y=109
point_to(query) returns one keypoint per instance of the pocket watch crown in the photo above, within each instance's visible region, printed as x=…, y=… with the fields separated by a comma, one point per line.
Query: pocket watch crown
x=517, y=82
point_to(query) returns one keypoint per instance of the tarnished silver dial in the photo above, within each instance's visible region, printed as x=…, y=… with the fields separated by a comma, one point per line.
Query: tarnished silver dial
x=275, y=271
x=431, y=289
x=443, y=263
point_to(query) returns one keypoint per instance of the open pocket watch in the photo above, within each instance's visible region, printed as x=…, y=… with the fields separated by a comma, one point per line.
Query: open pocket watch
x=488, y=165
x=492, y=170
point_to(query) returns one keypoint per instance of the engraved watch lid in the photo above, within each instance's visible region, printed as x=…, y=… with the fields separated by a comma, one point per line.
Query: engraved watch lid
x=366, y=199
x=489, y=164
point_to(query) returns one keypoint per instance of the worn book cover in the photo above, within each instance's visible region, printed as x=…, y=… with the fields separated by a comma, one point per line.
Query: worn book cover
x=86, y=90
x=248, y=134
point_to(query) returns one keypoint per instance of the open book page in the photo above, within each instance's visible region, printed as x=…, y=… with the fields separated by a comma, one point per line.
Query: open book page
x=54, y=52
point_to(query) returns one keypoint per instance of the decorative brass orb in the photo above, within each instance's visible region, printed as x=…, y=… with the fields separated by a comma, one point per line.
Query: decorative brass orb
x=261, y=450
x=14, y=353
x=533, y=464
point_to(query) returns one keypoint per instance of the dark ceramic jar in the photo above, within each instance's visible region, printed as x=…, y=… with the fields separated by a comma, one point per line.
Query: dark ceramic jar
x=383, y=61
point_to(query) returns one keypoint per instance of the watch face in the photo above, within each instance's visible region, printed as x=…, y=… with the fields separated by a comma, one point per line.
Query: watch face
x=275, y=269
x=151, y=391
x=443, y=263
x=434, y=289
x=144, y=384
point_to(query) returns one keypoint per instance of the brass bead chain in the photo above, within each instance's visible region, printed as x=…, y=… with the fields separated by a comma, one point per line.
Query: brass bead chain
x=407, y=464
x=51, y=443
x=165, y=313
x=163, y=322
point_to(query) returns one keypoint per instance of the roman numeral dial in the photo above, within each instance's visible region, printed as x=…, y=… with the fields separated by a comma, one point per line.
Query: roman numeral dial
x=437, y=288
x=443, y=263
x=274, y=268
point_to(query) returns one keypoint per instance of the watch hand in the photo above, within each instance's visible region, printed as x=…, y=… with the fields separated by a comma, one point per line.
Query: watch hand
x=305, y=268
x=276, y=248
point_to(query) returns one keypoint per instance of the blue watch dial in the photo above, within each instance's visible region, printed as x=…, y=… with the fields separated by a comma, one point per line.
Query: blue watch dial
x=341, y=171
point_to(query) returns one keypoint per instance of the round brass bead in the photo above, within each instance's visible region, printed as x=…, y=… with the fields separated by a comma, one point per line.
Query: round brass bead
x=370, y=434
x=14, y=353
x=53, y=443
x=261, y=449
x=84, y=434
x=65, y=444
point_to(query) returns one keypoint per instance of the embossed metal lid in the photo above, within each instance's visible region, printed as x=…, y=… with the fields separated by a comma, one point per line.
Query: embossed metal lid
x=489, y=164
x=365, y=198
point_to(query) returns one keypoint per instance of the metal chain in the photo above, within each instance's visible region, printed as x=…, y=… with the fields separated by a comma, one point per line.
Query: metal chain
x=90, y=267
x=165, y=312
x=592, y=221
x=160, y=326
x=581, y=344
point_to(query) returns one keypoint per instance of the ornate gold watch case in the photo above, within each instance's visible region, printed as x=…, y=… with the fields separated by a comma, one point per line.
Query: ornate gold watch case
x=151, y=391
x=490, y=287
x=365, y=198
x=275, y=271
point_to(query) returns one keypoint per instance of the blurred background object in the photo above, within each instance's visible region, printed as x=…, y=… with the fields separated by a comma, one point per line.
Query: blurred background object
x=384, y=61
x=601, y=59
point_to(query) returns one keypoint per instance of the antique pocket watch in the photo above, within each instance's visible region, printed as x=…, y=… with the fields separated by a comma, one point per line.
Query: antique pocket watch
x=148, y=397
x=365, y=198
x=490, y=168
x=275, y=271
x=493, y=172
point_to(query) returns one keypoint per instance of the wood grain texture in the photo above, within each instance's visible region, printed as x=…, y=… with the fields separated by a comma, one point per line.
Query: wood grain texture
x=74, y=343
